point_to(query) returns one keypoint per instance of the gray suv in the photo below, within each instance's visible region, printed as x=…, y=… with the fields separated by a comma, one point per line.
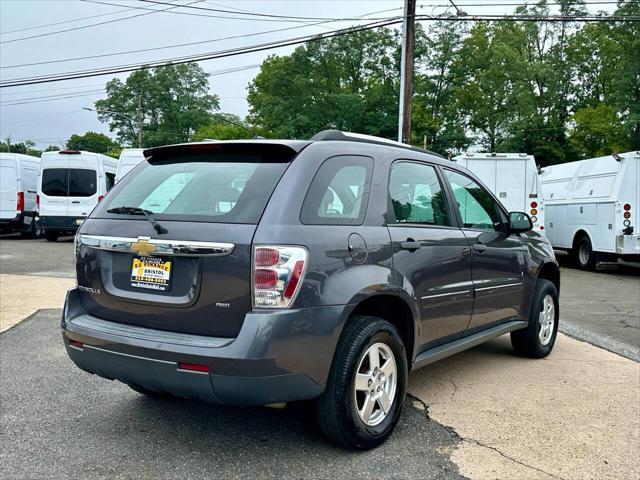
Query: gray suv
x=262, y=272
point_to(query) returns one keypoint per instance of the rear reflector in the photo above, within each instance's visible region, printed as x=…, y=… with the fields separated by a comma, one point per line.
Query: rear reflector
x=194, y=367
x=295, y=279
x=100, y=198
x=38, y=201
x=75, y=343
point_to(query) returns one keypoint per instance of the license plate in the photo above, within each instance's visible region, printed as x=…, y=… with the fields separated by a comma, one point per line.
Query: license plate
x=151, y=273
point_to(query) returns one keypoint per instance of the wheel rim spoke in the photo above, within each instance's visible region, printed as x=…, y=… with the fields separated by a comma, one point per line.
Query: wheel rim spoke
x=362, y=382
x=384, y=401
x=374, y=358
x=367, y=408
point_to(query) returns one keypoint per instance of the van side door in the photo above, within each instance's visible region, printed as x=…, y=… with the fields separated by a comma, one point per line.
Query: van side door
x=498, y=264
x=430, y=253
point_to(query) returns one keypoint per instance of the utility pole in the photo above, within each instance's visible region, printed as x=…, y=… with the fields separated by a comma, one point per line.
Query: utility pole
x=406, y=71
x=139, y=113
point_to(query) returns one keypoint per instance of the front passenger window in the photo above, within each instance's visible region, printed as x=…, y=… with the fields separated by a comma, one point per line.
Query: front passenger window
x=477, y=207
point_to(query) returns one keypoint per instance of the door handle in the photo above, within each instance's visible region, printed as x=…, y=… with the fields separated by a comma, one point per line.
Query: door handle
x=478, y=247
x=75, y=201
x=410, y=244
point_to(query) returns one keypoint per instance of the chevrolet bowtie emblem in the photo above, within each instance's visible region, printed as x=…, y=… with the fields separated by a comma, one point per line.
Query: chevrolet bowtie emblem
x=142, y=246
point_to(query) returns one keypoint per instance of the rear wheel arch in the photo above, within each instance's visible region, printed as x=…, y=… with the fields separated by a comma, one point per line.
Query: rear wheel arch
x=578, y=236
x=395, y=310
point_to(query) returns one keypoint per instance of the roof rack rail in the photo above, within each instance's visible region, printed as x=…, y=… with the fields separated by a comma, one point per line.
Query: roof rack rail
x=337, y=135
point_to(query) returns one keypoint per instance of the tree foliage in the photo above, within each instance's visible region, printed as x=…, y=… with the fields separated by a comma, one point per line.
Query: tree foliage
x=92, y=142
x=174, y=102
x=223, y=126
x=558, y=90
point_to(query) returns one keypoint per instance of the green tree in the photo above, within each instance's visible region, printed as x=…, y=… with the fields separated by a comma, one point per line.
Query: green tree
x=598, y=131
x=348, y=83
x=25, y=147
x=224, y=126
x=174, y=102
x=92, y=142
x=52, y=148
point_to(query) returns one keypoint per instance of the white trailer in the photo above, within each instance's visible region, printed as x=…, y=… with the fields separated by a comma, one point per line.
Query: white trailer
x=129, y=159
x=72, y=182
x=513, y=178
x=593, y=207
x=18, y=189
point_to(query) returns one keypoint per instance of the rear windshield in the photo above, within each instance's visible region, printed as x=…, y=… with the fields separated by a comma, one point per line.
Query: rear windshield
x=231, y=188
x=69, y=182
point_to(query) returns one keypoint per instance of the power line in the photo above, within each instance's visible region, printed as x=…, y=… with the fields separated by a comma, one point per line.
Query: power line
x=36, y=27
x=42, y=118
x=99, y=23
x=81, y=93
x=298, y=40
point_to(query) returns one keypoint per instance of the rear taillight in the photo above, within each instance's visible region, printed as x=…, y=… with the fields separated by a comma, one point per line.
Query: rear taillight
x=38, y=201
x=627, y=207
x=277, y=275
x=534, y=204
x=100, y=198
x=20, y=202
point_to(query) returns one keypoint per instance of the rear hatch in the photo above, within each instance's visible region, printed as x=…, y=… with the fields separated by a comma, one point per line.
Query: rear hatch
x=8, y=187
x=185, y=266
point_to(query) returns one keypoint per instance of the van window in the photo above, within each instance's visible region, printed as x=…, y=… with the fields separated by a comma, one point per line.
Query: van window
x=225, y=188
x=339, y=192
x=416, y=194
x=82, y=182
x=54, y=182
x=111, y=179
x=69, y=182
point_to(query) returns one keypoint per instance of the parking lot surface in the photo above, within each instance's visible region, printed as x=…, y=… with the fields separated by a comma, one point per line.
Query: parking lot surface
x=60, y=422
x=484, y=413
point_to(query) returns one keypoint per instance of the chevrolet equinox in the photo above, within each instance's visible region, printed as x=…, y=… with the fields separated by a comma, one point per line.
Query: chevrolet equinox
x=261, y=272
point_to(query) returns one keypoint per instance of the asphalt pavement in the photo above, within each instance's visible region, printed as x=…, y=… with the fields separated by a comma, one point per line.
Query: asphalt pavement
x=60, y=422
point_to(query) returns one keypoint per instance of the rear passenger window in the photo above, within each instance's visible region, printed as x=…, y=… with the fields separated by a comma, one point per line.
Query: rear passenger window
x=339, y=192
x=416, y=194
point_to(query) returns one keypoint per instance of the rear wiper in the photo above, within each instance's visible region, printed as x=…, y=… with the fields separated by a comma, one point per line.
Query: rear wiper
x=140, y=211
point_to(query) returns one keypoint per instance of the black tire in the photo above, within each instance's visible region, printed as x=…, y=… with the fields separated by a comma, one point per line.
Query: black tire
x=583, y=254
x=51, y=236
x=149, y=393
x=527, y=342
x=337, y=407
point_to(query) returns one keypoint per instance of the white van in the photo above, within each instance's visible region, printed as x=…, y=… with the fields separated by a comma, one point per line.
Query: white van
x=513, y=178
x=129, y=159
x=71, y=184
x=592, y=207
x=18, y=189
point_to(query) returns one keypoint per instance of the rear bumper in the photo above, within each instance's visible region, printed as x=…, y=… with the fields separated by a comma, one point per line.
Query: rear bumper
x=21, y=222
x=278, y=356
x=60, y=223
x=628, y=244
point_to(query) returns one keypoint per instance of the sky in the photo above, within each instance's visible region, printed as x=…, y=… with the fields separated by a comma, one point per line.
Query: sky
x=52, y=122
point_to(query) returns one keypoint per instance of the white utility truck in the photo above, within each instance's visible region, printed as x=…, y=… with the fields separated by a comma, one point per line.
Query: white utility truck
x=72, y=182
x=18, y=191
x=592, y=208
x=513, y=178
x=129, y=159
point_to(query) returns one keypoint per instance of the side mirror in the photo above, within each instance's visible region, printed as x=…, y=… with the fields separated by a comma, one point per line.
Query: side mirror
x=519, y=222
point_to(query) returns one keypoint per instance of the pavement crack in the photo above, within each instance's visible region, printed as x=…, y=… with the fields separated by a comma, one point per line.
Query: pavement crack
x=508, y=457
x=425, y=406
